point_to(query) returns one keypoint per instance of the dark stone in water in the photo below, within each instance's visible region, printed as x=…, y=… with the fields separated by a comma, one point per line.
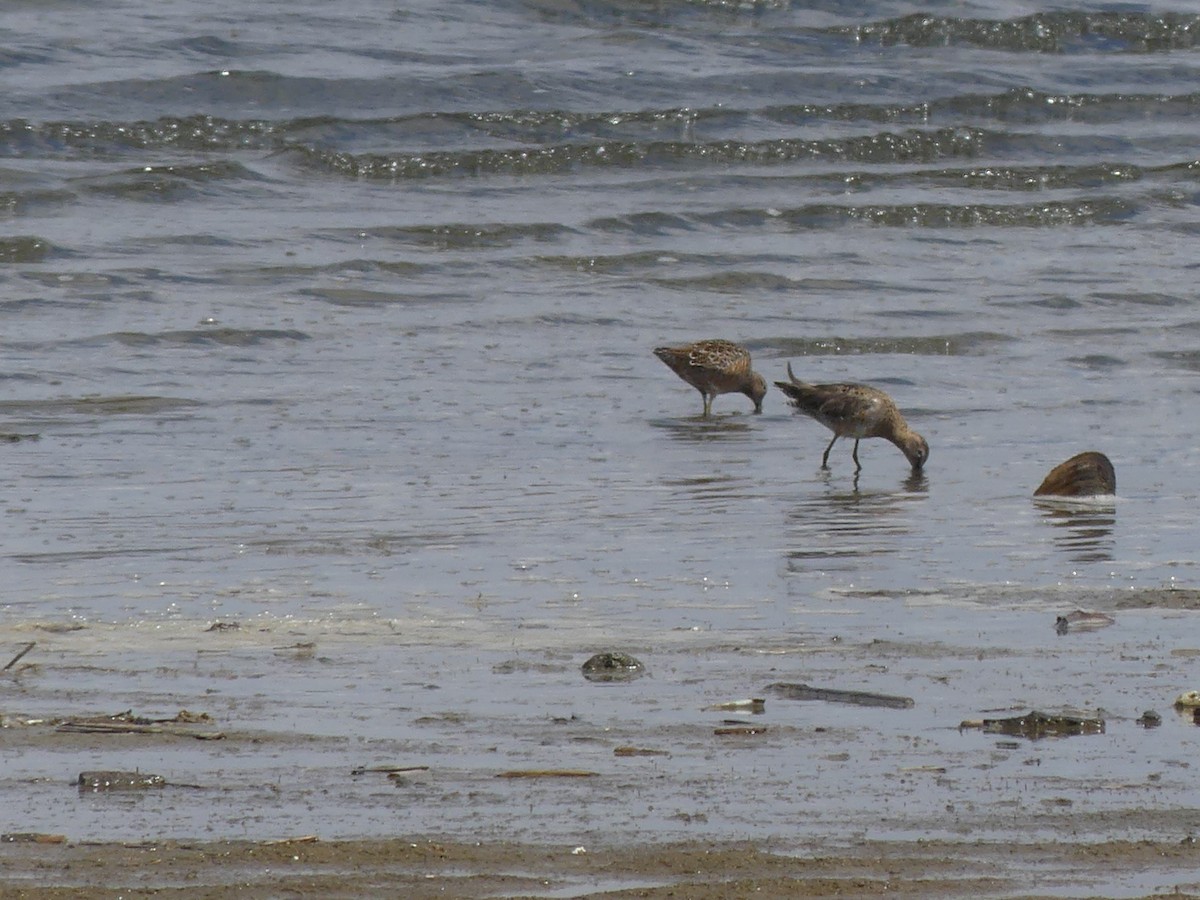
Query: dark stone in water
x=1036, y=725
x=612, y=666
x=1082, y=620
x=118, y=781
x=1089, y=474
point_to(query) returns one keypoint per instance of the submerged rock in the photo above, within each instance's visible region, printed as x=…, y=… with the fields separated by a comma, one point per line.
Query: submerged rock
x=612, y=666
x=1088, y=474
x=1082, y=620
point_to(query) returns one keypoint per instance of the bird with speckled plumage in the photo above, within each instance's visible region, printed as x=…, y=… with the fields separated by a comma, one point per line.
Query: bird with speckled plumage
x=858, y=411
x=715, y=367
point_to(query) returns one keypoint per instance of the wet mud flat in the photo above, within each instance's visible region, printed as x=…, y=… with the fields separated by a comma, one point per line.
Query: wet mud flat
x=424, y=868
x=352, y=756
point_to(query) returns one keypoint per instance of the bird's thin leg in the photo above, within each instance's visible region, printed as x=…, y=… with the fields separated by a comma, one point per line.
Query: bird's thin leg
x=857, y=464
x=825, y=458
x=707, y=404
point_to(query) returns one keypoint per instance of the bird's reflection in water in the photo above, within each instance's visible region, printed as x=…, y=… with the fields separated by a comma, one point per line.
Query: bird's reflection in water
x=1082, y=530
x=851, y=524
x=699, y=430
x=699, y=492
x=914, y=483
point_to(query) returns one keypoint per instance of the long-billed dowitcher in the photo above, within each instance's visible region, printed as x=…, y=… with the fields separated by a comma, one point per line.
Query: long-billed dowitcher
x=858, y=411
x=715, y=367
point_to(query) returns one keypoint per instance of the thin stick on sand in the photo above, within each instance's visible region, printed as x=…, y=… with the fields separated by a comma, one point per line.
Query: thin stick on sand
x=16, y=659
x=86, y=727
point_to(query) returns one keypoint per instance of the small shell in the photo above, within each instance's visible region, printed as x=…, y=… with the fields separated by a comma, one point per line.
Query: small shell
x=1188, y=700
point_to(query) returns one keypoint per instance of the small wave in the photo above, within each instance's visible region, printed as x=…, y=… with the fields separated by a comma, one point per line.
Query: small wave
x=907, y=146
x=1018, y=104
x=820, y=216
x=1028, y=105
x=1139, y=298
x=964, y=344
x=206, y=45
x=225, y=337
x=649, y=223
x=21, y=202
x=275, y=275
x=21, y=137
x=1098, y=362
x=1097, y=211
x=362, y=297
x=469, y=235
x=915, y=146
x=618, y=263
x=25, y=249
x=172, y=182
x=108, y=406
x=555, y=140
x=730, y=282
x=1049, y=32
x=1184, y=359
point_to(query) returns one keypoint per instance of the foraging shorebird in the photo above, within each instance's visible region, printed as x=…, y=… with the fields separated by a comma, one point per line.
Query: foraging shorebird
x=858, y=411
x=715, y=367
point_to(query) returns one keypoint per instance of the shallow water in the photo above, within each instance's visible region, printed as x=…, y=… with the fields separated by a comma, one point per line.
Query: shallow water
x=347, y=316
x=471, y=701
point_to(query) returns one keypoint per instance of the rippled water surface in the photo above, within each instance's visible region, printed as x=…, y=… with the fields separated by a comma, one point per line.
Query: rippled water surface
x=319, y=311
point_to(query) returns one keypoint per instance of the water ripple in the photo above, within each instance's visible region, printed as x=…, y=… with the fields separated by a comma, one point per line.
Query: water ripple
x=1050, y=32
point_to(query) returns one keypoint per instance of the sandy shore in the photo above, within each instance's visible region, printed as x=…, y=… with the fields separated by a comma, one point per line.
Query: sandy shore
x=277, y=783
x=426, y=869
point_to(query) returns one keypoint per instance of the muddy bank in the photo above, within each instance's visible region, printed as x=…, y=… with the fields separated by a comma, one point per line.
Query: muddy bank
x=424, y=868
x=183, y=758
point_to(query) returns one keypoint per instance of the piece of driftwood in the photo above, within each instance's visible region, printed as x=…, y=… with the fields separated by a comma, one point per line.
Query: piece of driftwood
x=1035, y=724
x=302, y=650
x=118, y=726
x=16, y=659
x=547, y=773
x=32, y=837
x=387, y=770
x=639, y=751
x=1082, y=620
x=183, y=717
x=790, y=691
x=740, y=730
x=751, y=704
